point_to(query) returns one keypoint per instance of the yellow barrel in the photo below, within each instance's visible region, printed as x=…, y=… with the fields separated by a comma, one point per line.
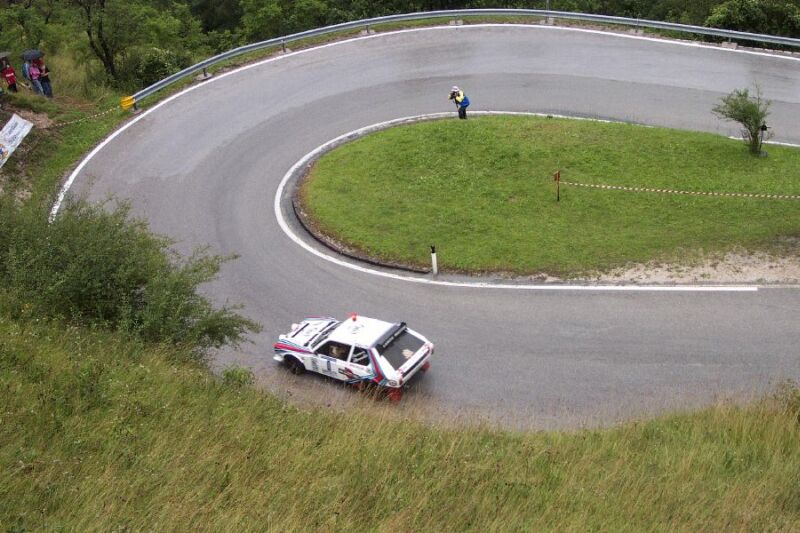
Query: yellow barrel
x=127, y=102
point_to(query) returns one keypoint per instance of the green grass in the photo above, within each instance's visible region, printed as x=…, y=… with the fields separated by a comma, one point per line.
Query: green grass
x=482, y=192
x=100, y=433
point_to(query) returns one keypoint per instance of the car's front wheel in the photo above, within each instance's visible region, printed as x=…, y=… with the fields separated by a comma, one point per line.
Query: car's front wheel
x=294, y=366
x=394, y=395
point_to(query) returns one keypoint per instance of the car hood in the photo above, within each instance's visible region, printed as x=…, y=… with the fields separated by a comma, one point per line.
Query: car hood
x=306, y=330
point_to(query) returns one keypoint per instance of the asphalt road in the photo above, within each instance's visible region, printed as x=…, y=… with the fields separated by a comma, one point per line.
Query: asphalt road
x=204, y=168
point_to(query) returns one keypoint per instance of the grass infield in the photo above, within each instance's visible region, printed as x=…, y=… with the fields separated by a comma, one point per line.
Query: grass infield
x=482, y=191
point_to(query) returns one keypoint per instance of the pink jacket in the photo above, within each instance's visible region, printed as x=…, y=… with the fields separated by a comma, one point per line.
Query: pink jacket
x=34, y=71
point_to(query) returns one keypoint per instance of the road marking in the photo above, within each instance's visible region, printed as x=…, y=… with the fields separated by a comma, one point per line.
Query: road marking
x=476, y=284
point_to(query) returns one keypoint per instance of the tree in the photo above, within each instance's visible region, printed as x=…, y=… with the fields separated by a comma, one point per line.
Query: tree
x=112, y=26
x=262, y=19
x=217, y=15
x=774, y=17
x=749, y=111
x=122, y=31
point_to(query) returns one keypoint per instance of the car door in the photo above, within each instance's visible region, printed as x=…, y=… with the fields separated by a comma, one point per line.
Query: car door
x=331, y=358
x=357, y=364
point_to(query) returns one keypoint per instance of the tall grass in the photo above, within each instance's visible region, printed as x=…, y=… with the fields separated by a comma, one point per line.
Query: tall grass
x=78, y=80
x=99, y=433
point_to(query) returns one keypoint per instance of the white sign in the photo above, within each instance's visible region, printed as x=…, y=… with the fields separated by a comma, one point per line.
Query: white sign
x=11, y=136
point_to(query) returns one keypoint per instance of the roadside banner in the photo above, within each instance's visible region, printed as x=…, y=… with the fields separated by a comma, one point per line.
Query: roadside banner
x=12, y=135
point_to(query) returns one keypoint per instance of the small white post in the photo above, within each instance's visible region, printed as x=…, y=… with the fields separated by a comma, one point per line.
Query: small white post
x=434, y=263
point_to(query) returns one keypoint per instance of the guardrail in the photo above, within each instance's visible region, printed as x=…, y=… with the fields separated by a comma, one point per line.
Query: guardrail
x=130, y=101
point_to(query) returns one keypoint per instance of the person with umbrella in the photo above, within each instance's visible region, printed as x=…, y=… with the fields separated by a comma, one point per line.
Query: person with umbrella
x=7, y=72
x=31, y=70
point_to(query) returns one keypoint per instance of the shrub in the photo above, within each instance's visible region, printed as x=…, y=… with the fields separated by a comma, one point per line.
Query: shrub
x=749, y=111
x=149, y=65
x=96, y=266
x=237, y=377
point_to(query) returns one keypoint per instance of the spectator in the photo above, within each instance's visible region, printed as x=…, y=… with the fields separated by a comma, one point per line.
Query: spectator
x=35, y=74
x=44, y=78
x=7, y=71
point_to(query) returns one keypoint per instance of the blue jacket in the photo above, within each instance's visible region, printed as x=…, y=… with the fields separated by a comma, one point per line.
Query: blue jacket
x=461, y=99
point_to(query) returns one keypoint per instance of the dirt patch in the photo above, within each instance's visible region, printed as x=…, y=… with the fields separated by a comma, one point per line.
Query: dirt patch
x=39, y=120
x=734, y=267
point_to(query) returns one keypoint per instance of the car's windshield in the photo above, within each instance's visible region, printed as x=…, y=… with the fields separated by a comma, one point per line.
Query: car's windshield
x=322, y=335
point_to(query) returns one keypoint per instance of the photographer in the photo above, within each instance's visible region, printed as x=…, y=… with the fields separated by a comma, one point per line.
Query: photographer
x=461, y=100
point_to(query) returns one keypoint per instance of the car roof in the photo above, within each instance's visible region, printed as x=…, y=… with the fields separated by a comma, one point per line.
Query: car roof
x=361, y=331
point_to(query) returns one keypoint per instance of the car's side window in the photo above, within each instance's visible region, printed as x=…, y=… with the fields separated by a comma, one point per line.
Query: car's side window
x=335, y=349
x=359, y=357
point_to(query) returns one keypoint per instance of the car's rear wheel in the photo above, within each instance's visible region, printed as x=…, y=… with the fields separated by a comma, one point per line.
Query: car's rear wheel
x=294, y=366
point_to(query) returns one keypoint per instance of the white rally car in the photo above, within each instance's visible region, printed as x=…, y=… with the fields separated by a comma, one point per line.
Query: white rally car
x=359, y=351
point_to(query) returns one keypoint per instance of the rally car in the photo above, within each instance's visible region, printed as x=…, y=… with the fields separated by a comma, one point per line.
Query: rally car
x=359, y=350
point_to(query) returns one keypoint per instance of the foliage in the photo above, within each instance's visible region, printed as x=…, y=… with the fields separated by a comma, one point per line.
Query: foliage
x=774, y=17
x=787, y=396
x=150, y=65
x=96, y=266
x=237, y=377
x=749, y=111
x=218, y=15
x=119, y=29
x=491, y=206
x=262, y=20
x=103, y=434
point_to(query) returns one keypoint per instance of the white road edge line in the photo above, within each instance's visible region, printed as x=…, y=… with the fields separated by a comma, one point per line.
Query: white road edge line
x=478, y=285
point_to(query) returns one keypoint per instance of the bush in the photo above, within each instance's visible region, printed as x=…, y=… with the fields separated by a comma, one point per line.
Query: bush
x=147, y=66
x=237, y=377
x=749, y=111
x=96, y=266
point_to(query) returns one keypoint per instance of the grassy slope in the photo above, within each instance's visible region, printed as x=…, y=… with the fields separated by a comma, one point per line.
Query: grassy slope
x=42, y=161
x=482, y=191
x=99, y=433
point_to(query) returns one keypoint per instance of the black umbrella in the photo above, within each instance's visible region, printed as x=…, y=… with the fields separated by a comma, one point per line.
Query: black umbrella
x=29, y=55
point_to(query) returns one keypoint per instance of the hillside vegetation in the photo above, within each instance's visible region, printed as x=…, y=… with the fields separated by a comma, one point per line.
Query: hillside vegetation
x=104, y=434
